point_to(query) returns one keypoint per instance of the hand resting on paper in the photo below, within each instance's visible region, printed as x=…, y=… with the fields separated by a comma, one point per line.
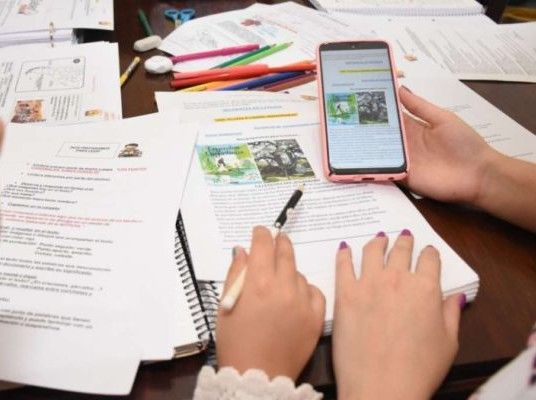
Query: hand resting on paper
x=277, y=320
x=449, y=161
x=394, y=337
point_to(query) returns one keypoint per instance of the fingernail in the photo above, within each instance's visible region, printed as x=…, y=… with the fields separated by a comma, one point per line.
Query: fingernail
x=380, y=234
x=405, y=87
x=235, y=251
x=405, y=232
x=463, y=300
x=343, y=245
x=430, y=247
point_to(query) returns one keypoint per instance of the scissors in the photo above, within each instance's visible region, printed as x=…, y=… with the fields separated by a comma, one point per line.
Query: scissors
x=179, y=17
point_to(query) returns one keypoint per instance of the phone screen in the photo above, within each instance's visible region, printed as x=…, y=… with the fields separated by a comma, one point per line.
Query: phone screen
x=362, y=117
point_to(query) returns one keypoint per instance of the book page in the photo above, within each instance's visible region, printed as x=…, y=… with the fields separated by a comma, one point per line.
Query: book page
x=32, y=15
x=60, y=86
x=242, y=175
x=87, y=251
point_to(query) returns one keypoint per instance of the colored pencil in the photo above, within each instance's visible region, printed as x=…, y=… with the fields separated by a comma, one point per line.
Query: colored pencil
x=263, y=54
x=262, y=81
x=213, y=53
x=242, y=57
x=145, y=23
x=289, y=83
x=241, y=73
x=255, y=68
x=211, y=86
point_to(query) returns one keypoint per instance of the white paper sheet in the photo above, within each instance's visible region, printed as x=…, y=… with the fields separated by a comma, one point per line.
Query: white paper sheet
x=205, y=107
x=471, y=51
x=61, y=85
x=236, y=181
x=32, y=15
x=86, y=265
x=281, y=23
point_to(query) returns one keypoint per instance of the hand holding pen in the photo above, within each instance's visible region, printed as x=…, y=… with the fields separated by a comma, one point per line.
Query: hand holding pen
x=279, y=312
x=231, y=295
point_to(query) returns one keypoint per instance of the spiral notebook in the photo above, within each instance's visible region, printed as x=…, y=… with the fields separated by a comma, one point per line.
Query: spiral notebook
x=201, y=302
x=435, y=8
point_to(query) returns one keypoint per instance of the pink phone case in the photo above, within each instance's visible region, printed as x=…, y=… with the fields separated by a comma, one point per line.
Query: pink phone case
x=362, y=177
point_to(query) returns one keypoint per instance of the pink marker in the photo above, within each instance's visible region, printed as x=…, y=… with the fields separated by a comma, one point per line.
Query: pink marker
x=213, y=53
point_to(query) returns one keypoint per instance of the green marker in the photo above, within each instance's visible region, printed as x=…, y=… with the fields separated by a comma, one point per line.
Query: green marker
x=265, y=53
x=145, y=22
x=232, y=61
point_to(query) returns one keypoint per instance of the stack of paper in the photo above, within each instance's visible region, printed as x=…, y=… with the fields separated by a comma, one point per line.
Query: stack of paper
x=402, y=7
x=51, y=21
x=219, y=209
x=87, y=272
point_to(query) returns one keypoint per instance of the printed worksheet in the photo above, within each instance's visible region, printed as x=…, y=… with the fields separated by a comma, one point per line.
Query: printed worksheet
x=503, y=52
x=60, y=86
x=288, y=22
x=34, y=15
x=498, y=129
x=235, y=106
x=87, y=269
x=243, y=174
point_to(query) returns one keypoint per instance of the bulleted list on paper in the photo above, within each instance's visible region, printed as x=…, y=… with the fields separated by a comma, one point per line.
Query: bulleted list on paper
x=82, y=269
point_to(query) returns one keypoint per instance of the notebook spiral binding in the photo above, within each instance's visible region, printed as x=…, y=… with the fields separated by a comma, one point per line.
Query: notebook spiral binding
x=202, y=297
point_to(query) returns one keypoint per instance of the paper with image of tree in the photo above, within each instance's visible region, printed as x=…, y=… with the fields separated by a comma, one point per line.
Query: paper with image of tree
x=228, y=163
x=341, y=108
x=280, y=160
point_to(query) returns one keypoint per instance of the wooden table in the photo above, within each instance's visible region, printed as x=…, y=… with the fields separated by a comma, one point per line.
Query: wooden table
x=493, y=329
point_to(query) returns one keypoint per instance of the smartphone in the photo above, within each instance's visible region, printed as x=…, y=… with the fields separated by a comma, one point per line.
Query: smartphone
x=362, y=130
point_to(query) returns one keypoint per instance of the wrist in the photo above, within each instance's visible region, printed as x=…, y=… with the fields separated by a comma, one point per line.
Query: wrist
x=487, y=173
x=381, y=391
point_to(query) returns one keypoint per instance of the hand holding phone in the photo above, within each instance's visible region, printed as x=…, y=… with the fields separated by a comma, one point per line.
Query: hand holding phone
x=361, y=126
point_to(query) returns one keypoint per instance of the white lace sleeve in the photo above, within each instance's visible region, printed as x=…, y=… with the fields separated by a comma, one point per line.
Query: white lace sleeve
x=228, y=384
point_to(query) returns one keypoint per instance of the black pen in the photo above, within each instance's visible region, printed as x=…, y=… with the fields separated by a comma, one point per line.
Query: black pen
x=289, y=208
x=228, y=301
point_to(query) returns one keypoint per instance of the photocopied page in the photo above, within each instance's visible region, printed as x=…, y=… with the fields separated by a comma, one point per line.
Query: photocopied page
x=287, y=22
x=87, y=214
x=483, y=52
x=498, y=129
x=242, y=175
x=235, y=106
x=33, y=15
x=61, y=85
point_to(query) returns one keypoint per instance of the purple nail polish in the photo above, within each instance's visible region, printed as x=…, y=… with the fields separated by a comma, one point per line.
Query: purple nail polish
x=343, y=245
x=405, y=232
x=380, y=234
x=463, y=300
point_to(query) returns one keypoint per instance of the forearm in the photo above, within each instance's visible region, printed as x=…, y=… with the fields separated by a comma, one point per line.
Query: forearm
x=508, y=191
